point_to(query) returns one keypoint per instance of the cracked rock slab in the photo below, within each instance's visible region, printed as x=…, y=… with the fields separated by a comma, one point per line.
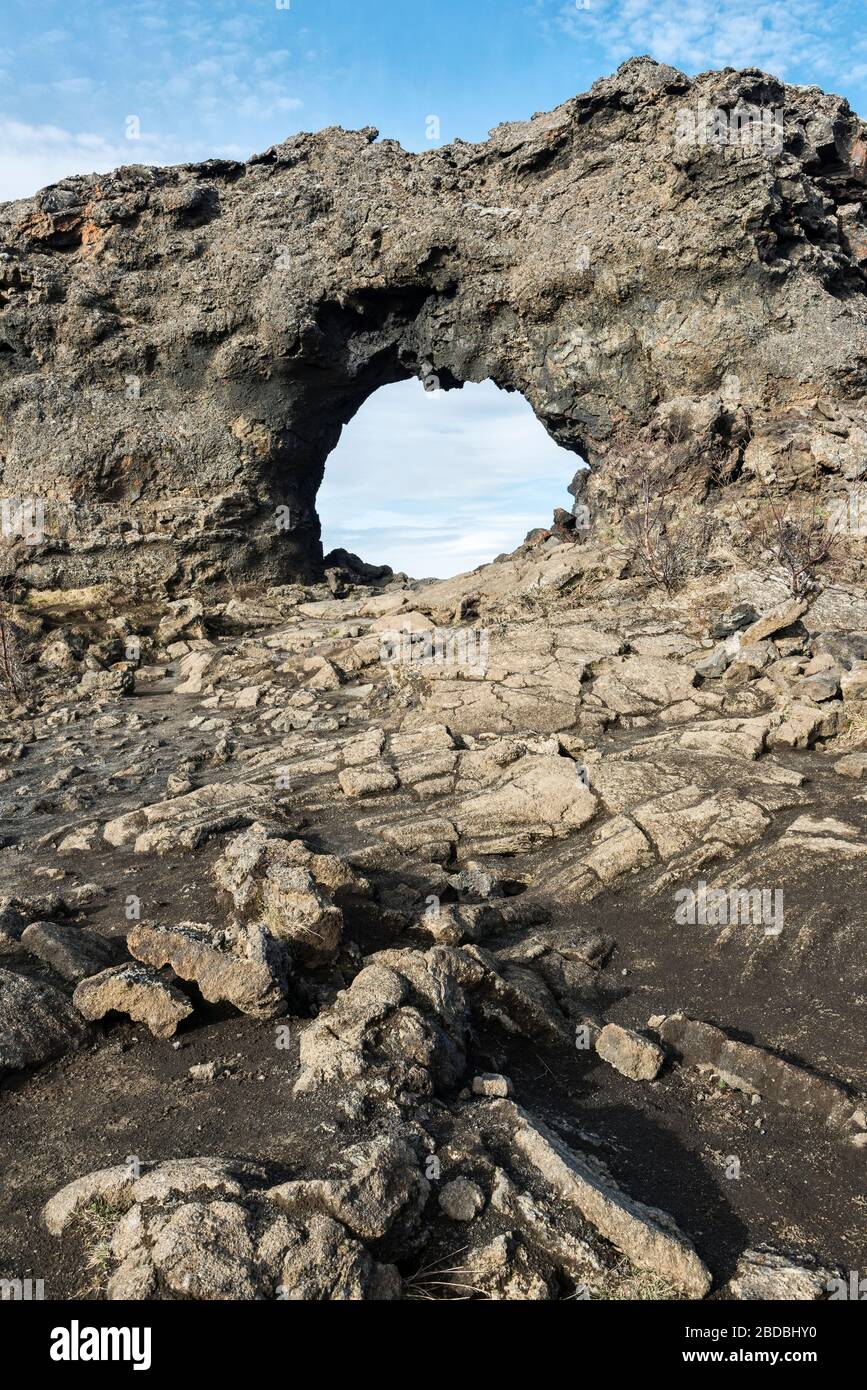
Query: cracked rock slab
x=183, y=822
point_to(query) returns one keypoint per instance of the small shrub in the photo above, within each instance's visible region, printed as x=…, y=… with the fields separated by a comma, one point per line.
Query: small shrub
x=799, y=534
x=11, y=673
x=664, y=547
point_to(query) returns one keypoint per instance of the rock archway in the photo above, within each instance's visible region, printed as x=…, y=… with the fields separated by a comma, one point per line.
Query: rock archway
x=179, y=348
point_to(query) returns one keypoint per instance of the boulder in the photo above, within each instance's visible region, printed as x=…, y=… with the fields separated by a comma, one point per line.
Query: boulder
x=134, y=990
x=70, y=951
x=243, y=966
x=37, y=1023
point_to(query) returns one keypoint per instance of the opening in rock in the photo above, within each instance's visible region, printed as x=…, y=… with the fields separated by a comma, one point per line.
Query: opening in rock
x=434, y=483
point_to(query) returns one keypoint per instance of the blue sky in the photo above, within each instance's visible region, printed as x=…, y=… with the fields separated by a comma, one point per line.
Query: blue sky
x=193, y=78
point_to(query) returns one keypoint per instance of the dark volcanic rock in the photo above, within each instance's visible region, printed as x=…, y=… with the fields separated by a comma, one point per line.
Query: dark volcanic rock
x=37, y=1023
x=181, y=347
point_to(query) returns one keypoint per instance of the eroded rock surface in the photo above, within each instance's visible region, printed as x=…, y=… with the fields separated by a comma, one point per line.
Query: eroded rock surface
x=183, y=346
x=413, y=913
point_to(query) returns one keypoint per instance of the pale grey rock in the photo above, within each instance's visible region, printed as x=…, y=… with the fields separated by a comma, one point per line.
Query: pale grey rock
x=137, y=991
x=243, y=966
x=768, y=1277
x=629, y=1053
x=756, y=1070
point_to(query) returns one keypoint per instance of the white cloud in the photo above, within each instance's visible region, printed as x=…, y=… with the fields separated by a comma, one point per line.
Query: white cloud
x=438, y=484
x=33, y=156
x=697, y=35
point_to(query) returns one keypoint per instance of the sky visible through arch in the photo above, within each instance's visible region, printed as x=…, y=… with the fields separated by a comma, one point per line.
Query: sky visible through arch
x=437, y=483
x=88, y=86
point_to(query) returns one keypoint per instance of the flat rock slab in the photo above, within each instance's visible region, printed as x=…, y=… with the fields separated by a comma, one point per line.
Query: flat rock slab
x=37, y=1022
x=852, y=765
x=648, y=1237
x=755, y=1070
x=137, y=991
x=183, y=822
x=774, y=622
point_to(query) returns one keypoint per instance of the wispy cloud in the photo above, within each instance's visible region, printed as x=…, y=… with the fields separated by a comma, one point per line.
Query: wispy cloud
x=697, y=35
x=33, y=156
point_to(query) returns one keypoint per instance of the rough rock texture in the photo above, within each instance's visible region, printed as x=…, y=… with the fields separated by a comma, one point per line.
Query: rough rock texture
x=73, y=953
x=181, y=347
x=461, y=1030
x=137, y=991
x=630, y=1053
x=244, y=966
x=36, y=1023
x=211, y=1229
x=765, y=1276
x=425, y=906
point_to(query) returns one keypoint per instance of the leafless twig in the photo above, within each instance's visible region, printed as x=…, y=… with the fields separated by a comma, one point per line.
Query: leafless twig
x=801, y=536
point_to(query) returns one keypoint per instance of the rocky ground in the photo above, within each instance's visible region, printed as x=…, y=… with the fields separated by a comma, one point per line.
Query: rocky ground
x=340, y=965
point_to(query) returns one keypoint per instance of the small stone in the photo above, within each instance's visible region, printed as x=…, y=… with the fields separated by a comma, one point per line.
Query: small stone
x=734, y=620
x=178, y=784
x=492, y=1084
x=242, y=966
x=462, y=1199
x=78, y=841
x=824, y=685
x=203, y=1071
x=714, y=664
x=629, y=1053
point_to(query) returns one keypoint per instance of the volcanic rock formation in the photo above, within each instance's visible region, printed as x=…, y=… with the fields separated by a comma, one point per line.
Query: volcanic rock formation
x=180, y=348
x=496, y=937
